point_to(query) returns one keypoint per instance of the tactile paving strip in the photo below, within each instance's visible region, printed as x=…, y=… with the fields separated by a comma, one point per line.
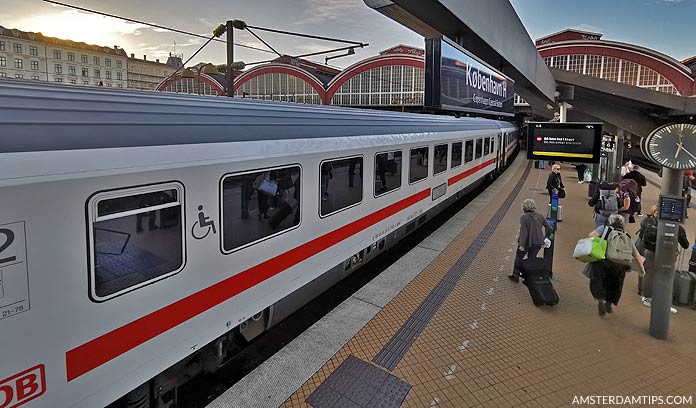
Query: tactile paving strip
x=356, y=384
x=392, y=353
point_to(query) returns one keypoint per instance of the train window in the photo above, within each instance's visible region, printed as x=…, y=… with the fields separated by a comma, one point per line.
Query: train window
x=259, y=204
x=469, y=151
x=387, y=172
x=492, y=144
x=418, y=164
x=456, y=154
x=479, y=148
x=136, y=238
x=486, y=146
x=440, y=160
x=341, y=184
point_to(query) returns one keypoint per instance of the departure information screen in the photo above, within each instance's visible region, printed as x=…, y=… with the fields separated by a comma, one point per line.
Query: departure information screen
x=672, y=208
x=572, y=141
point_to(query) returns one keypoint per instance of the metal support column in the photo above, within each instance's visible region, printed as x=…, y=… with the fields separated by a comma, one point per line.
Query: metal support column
x=230, y=58
x=563, y=109
x=665, y=259
x=618, y=155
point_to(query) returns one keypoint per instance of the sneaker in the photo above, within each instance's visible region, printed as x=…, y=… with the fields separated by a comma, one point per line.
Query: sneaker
x=673, y=310
x=579, y=182
x=514, y=278
x=607, y=306
x=601, y=308
x=647, y=301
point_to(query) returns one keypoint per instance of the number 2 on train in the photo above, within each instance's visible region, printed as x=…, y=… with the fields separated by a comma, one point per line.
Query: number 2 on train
x=9, y=239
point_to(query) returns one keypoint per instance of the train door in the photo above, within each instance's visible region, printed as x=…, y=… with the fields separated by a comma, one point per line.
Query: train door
x=501, y=151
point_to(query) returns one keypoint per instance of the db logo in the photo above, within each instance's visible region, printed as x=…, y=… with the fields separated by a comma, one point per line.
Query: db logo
x=539, y=138
x=23, y=387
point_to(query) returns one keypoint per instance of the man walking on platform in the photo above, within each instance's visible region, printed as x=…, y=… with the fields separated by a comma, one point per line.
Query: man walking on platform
x=554, y=182
x=580, y=168
x=639, y=178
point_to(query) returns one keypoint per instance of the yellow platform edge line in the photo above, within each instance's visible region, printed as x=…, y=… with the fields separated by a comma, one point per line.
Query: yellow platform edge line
x=580, y=155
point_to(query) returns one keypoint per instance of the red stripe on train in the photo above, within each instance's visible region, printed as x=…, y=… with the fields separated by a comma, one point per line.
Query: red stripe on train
x=469, y=172
x=103, y=349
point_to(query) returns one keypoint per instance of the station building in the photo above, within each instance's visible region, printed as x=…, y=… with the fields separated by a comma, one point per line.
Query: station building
x=586, y=53
x=394, y=78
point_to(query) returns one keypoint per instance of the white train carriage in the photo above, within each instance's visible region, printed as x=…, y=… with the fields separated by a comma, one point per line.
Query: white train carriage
x=142, y=233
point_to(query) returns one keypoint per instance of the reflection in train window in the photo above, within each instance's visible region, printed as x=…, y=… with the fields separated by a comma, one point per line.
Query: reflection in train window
x=387, y=172
x=469, y=151
x=136, y=238
x=418, y=166
x=479, y=148
x=486, y=146
x=440, y=160
x=456, y=154
x=258, y=205
x=341, y=184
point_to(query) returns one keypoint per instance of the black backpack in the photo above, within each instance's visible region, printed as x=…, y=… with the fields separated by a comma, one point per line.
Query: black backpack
x=649, y=234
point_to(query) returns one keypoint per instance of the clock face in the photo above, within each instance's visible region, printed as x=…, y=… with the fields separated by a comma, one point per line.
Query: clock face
x=673, y=146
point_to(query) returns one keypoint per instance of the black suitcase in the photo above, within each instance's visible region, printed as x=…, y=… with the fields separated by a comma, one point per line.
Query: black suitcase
x=538, y=281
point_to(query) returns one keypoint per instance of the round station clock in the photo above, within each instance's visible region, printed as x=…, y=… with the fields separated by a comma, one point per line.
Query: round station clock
x=672, y=146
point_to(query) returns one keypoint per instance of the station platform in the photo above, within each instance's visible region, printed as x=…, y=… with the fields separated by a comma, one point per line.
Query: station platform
x=445, y=327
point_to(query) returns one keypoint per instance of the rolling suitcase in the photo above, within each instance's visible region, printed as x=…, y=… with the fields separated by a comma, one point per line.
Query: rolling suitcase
x=538, y=282
x=684, y=286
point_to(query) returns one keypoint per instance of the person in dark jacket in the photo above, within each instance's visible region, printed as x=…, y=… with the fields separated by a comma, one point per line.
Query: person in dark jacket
x=649, y=253
x=607, y=277
x=554, y=181
x=636, y=176
x=600, y=215
x=531, y=237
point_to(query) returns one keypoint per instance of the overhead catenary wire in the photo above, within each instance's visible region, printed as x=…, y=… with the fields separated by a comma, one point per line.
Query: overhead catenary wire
x=316, y=37
x=262, y=40
x=176, y=30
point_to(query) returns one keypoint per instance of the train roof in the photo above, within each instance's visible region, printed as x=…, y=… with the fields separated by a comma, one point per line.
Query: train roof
x=43, y=117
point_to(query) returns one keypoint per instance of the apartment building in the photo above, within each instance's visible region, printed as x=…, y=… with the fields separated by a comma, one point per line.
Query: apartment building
x=33, y=56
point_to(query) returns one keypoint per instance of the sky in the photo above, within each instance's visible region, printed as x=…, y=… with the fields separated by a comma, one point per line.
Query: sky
x=662, y=25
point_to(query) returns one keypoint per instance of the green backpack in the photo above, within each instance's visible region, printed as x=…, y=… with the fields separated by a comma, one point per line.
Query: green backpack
x=619, y=247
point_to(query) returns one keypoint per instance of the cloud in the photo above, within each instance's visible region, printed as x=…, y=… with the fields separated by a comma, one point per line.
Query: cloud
x=589, y=27
x=322, y=11
x=207, y=22
x=78, y=26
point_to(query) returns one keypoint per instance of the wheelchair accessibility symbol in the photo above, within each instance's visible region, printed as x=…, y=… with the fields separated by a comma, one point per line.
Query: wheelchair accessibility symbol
x=203, y=226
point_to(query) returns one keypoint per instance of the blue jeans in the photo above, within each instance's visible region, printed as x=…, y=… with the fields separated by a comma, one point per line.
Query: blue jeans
x=530, y=252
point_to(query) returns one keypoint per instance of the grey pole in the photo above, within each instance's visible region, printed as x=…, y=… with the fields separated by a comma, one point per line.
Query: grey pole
x=620, y=138
x=665, y=257
x=230, y=58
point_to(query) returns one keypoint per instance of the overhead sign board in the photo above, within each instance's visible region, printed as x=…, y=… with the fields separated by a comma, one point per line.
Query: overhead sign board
x=455, y=80
x=572, y=141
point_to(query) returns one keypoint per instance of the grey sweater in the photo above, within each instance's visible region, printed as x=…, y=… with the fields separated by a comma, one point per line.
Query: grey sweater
x=531, y=224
